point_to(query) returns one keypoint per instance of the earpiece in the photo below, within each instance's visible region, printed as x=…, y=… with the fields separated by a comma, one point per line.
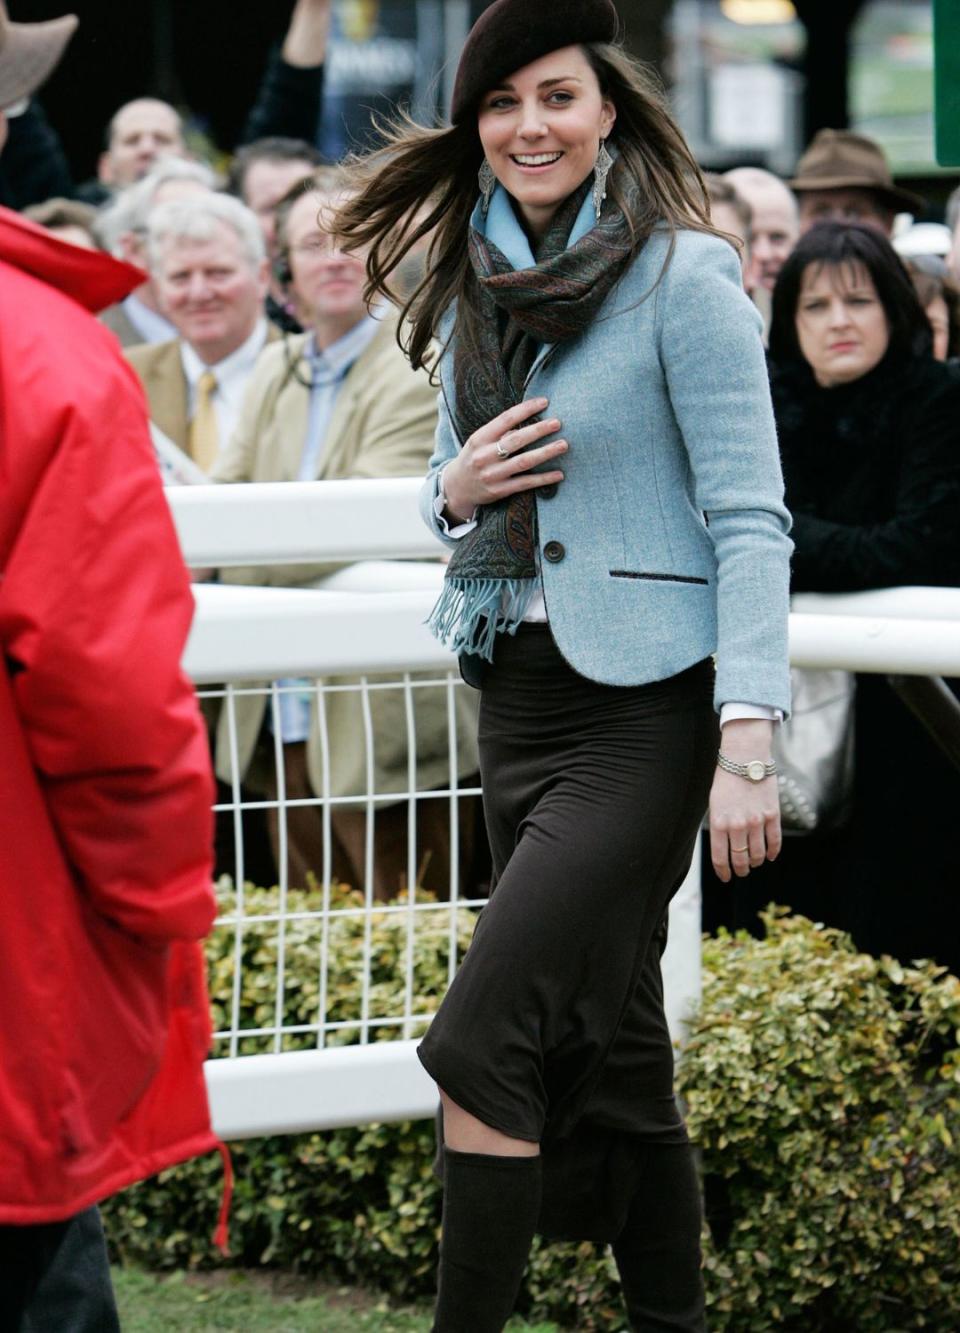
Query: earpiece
x=281, y=270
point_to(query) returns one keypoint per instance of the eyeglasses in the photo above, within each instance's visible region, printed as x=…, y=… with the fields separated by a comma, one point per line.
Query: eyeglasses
x=15, y=108
x=315, y=245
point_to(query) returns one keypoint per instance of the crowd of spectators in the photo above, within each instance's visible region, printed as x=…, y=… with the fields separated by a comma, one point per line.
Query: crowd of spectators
x=261, y=362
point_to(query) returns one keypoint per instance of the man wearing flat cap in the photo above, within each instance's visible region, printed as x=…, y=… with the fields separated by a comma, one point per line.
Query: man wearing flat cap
x=844, y=177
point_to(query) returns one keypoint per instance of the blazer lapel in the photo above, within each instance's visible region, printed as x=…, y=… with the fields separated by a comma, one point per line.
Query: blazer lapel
x=292, y=418
x=331, y=460
x=168, y=397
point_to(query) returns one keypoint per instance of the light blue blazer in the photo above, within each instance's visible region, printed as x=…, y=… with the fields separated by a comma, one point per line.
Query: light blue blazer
x=667, y=540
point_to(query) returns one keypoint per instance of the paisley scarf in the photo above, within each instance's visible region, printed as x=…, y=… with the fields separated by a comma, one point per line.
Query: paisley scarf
x=492, y=576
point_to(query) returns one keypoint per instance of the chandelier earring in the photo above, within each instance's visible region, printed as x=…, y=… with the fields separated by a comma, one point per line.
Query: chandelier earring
x=600, y=173
x=488, y=183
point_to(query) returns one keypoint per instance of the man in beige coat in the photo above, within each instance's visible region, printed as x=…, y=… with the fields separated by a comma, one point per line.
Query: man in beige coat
x=342, y=401
x=208, y=265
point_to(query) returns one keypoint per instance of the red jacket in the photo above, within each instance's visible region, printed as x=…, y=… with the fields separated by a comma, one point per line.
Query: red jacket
x=105, y=787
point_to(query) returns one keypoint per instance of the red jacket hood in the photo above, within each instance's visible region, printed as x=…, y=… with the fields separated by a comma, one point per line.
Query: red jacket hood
x=94, y=279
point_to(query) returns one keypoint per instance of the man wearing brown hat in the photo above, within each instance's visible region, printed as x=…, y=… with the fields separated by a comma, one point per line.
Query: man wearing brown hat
x=844, y=177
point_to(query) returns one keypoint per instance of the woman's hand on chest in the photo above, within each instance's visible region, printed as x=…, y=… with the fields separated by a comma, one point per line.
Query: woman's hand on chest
x=498, y=461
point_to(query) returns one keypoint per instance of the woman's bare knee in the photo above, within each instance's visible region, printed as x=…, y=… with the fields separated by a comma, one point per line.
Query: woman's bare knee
x=463, y=1132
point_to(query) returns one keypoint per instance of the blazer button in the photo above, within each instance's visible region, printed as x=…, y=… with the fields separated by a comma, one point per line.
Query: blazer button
x=554, y=552
x=547, y=492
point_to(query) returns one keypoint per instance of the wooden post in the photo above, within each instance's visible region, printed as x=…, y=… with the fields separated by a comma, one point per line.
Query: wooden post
x=826, y=62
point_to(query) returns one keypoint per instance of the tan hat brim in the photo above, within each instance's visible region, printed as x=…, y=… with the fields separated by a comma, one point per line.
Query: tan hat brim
x=901, y=201
x=29, y=55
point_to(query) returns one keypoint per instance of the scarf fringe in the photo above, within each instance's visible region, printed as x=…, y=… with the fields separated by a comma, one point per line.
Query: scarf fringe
x=470, y=613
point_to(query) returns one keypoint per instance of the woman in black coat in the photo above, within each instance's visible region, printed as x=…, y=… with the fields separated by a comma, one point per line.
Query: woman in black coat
x=869, y=428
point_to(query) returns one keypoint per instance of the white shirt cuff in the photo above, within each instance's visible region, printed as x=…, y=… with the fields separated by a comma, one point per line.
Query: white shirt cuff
x=737, y=712
x=439, y=505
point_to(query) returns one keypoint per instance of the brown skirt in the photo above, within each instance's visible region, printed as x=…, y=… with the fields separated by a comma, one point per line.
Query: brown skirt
x=553, y=1030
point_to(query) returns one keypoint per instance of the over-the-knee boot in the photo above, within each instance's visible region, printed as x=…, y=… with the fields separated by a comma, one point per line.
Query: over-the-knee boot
x=658, y=1250
x=490, y=1210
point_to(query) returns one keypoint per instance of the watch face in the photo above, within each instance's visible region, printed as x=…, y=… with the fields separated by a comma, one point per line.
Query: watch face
x=756, y=770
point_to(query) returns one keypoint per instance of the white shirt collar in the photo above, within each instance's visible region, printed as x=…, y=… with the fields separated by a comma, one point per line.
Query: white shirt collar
x=152, y=326
x=235, y=366
x=340, y=356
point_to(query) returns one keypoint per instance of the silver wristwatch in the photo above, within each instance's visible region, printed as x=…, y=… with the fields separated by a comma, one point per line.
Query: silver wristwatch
x=754, y=771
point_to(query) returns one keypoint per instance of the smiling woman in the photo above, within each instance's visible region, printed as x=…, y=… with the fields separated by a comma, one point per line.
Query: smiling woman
x=542, y=129
x=603, y=393
x=325, y=283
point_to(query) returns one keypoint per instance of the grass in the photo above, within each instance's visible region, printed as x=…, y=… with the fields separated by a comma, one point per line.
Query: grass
x=260, y=1303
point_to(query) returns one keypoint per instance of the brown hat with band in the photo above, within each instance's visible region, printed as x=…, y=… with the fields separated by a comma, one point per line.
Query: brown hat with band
x=28, y=53
x=514, y=33
x=841, y=160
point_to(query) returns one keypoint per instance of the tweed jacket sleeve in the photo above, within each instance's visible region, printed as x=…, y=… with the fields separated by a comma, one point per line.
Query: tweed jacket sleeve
x=445, y=448
x=713, y=360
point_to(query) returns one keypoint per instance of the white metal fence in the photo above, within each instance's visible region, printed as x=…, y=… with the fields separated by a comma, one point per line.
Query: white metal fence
x=310, y=983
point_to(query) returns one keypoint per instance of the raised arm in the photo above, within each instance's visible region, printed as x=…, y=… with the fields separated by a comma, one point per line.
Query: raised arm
x=290, y=96
x=305, y=45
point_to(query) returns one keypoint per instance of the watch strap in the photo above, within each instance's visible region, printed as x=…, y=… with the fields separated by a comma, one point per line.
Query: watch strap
x=754, y=771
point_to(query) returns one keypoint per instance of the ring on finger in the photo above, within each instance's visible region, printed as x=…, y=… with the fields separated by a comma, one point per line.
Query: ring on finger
x=739, y=849
x=501, y=452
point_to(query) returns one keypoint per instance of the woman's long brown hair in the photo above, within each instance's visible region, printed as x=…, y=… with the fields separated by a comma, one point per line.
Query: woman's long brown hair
x=423, y=182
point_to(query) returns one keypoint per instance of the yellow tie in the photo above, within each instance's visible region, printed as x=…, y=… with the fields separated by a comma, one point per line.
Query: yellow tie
x=204, y=431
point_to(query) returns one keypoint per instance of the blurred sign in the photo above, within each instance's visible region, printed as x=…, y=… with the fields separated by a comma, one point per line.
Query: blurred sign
x=735, y=89
x=750, y=107
x=891, y=82
x=946, y=67
x=388, y=54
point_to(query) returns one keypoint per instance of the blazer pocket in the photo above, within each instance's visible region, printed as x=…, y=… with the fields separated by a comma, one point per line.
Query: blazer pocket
x=657, y=578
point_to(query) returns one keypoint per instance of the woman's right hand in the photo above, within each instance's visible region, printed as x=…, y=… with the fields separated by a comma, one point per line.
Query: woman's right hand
x=492, y=464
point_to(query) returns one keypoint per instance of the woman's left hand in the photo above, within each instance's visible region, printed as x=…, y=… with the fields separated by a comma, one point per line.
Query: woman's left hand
x=744, y=815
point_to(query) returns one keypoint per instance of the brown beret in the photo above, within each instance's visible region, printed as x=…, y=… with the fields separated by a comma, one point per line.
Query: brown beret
x=514, y=33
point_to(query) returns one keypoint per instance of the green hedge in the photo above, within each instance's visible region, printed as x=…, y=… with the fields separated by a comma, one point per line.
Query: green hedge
x=822, y=1086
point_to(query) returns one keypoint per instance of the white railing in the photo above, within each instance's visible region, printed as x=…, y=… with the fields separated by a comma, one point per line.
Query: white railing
x=368, y=619
x=908, y=631
x=284, y=524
